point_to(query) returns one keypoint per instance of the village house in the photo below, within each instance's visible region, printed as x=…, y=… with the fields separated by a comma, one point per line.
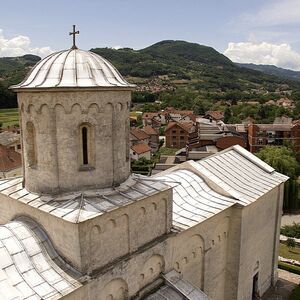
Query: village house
x=154, y=119
x=153, y=137
x=177, y=133
x=215, y=115
x=10, y=162
x=138, y=136
x=10, y=140
x=261, y=135
x=140, y=150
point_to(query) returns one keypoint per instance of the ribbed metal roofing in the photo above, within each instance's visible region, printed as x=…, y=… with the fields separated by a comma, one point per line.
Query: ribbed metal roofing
x=73, y=68
x=27, y=270
x=176, y=288
x=193, y=200
x=80, y=206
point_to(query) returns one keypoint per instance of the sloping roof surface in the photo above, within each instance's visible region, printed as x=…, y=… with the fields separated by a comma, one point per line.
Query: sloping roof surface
x=239, y=172
x=150, y=130
x=7, y=138
x=241, y=175
x=141, y=148
x=77, y=207
x=193, y=200
x=177, y=289
x=186, y=126
x=27, y=270
x=139, y=134
x=73, y=68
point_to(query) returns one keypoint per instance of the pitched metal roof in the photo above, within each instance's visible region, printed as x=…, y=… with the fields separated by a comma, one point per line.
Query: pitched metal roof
x=177, y=288
x=240, y=173
x=77, y=207
x=73, y=68
x=193, y=200
x=29, y=271
x=242, y=176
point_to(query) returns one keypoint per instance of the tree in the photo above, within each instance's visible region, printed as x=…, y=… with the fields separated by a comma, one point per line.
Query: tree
x=227, y=114
x=291, y=244
x=284, y=161
x=281, y=159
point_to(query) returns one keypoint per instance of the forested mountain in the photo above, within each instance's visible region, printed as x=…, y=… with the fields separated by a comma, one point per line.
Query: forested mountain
x=13, y=70
x=190, y=61
x=273, y=70
x=177, y=65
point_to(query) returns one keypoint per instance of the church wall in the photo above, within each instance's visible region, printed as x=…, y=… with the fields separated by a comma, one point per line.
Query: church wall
x=64, y=235
x=57, y=118
x=233, y=253
x=124, y=230
x=197, y=253
x=202, y=261
x=258, y=240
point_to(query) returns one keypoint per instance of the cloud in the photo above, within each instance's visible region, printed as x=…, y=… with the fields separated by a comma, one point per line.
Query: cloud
x=278, y=12
x=117, y=47
x=281, y=55
x=20, y=45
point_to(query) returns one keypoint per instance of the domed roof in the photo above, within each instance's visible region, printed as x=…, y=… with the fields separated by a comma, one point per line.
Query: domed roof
x=73, y=68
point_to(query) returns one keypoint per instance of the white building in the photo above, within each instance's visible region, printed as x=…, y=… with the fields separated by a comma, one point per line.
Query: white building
x=79, y=226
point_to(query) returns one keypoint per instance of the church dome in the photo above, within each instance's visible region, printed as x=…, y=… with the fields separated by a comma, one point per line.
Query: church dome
x=73, y=68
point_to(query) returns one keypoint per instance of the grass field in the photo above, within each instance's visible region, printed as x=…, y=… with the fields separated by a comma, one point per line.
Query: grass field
x=9, y=116
x=168, y=151
x=292, y=254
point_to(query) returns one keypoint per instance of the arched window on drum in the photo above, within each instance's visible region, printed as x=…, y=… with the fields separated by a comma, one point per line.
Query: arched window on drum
x=86, y=132
x=31, y=154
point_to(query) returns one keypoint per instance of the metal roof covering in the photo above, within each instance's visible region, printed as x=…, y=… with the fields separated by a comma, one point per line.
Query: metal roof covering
x=29, y=271
x=73, y=68
x=177, y=289
x=79, y=206
x=240, y=173
x=242, y=176
x=193, y=200
x=8, y=137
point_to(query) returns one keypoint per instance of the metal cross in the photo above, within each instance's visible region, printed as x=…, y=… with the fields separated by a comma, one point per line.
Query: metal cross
x=74, y=33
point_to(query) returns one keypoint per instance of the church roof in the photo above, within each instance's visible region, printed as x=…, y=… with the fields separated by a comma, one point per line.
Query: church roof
x=27, y=269
x=73, y=68
x=238, y=176
x=79, y=206
x=176, y=288
x=240, y=173
x=193, y=200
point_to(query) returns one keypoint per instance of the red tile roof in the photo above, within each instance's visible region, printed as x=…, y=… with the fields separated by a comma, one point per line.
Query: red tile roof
x=215, y=114
x=9, y=159
x=186, y=126
x=139, y=134
x=141, y=148
x=150, y=130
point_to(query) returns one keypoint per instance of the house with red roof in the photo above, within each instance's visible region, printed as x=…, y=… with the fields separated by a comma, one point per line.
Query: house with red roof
x=140, y=150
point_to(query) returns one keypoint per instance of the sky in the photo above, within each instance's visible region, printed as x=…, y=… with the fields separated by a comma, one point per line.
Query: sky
x=252, y=31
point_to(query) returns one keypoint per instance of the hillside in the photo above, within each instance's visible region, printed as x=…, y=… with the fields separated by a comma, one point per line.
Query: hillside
x=13, y=70
x=179, y=62
x=167, y=66
x=273, y=70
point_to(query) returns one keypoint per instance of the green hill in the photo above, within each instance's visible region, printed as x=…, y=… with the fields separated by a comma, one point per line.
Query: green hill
x=187, y=68
x=273, y=70
x=189, y=61
x=13, y=70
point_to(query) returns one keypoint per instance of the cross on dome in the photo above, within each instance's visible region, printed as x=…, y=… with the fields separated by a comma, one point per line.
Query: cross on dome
x=74, y=32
